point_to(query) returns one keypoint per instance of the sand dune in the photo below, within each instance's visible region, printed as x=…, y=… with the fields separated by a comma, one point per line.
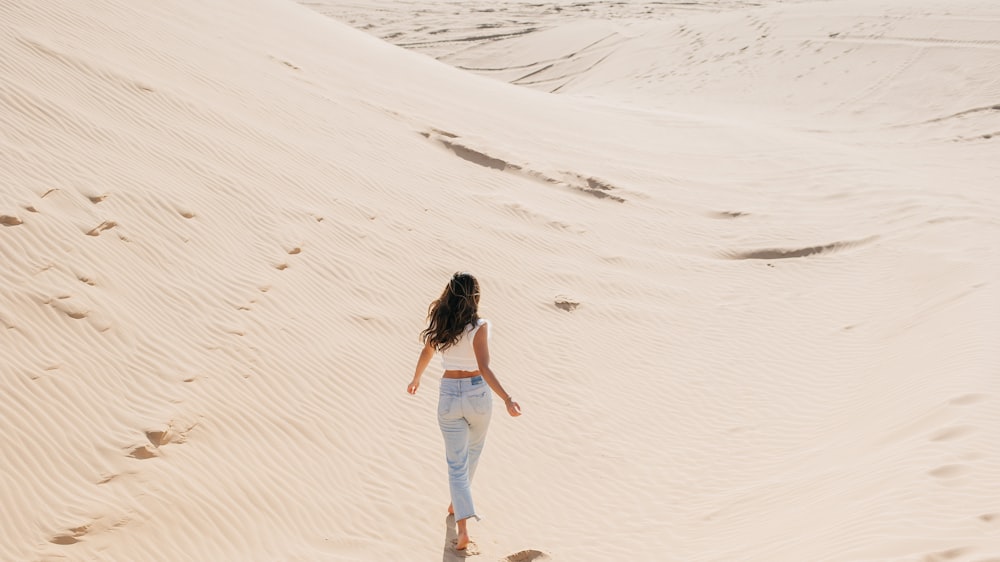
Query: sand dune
x=750, y=315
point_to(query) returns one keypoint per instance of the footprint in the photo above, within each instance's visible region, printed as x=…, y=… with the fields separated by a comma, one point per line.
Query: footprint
x=967, y=399
x=471, y=550
x=728, y=214
x=143, y=452
x=440, y=132
x=599, y=188
x=107, y=478
x=64, y=539
x=10, y=220
x=951, y=433
x=68, y=307
x=158, y=437
x=950, y=471
x=172, y=432
x=95, y=527
x=529, y=555
x=566, y=303
x=71, y=537
x=97, y=230
x=949, y=554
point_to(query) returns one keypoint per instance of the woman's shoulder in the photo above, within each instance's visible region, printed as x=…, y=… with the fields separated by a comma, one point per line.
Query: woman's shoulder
x=482, y=322
x=474, y=327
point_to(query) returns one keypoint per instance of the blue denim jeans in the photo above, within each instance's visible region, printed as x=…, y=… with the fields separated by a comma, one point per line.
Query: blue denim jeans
x=464, y=410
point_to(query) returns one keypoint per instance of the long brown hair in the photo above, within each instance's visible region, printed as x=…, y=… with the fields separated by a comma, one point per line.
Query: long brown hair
x=448, y=316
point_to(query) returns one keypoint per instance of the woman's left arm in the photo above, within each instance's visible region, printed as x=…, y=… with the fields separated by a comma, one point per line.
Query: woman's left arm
x=481, y=346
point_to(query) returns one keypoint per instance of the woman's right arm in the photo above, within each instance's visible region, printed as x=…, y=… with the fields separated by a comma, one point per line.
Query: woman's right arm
x=426, y=354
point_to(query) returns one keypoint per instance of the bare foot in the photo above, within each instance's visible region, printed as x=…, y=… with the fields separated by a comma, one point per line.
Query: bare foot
x=463, y=535
x=451, y=509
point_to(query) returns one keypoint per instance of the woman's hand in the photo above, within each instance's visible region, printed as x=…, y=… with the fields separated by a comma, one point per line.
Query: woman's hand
x=413, y=386
x=513, y=408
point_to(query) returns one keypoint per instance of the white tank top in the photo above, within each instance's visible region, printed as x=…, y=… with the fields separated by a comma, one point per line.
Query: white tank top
x=461, y=356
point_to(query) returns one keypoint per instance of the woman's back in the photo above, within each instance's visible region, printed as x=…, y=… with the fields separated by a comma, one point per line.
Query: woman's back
x=461, y=356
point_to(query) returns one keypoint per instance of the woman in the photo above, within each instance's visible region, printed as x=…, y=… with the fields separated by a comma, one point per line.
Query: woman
x=464, y=403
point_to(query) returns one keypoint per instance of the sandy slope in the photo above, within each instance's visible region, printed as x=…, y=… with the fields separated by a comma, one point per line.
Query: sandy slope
x=221, y=222
x=885, y=62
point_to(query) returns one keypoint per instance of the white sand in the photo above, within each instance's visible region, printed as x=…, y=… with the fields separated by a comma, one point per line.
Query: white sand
x=221, y=223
